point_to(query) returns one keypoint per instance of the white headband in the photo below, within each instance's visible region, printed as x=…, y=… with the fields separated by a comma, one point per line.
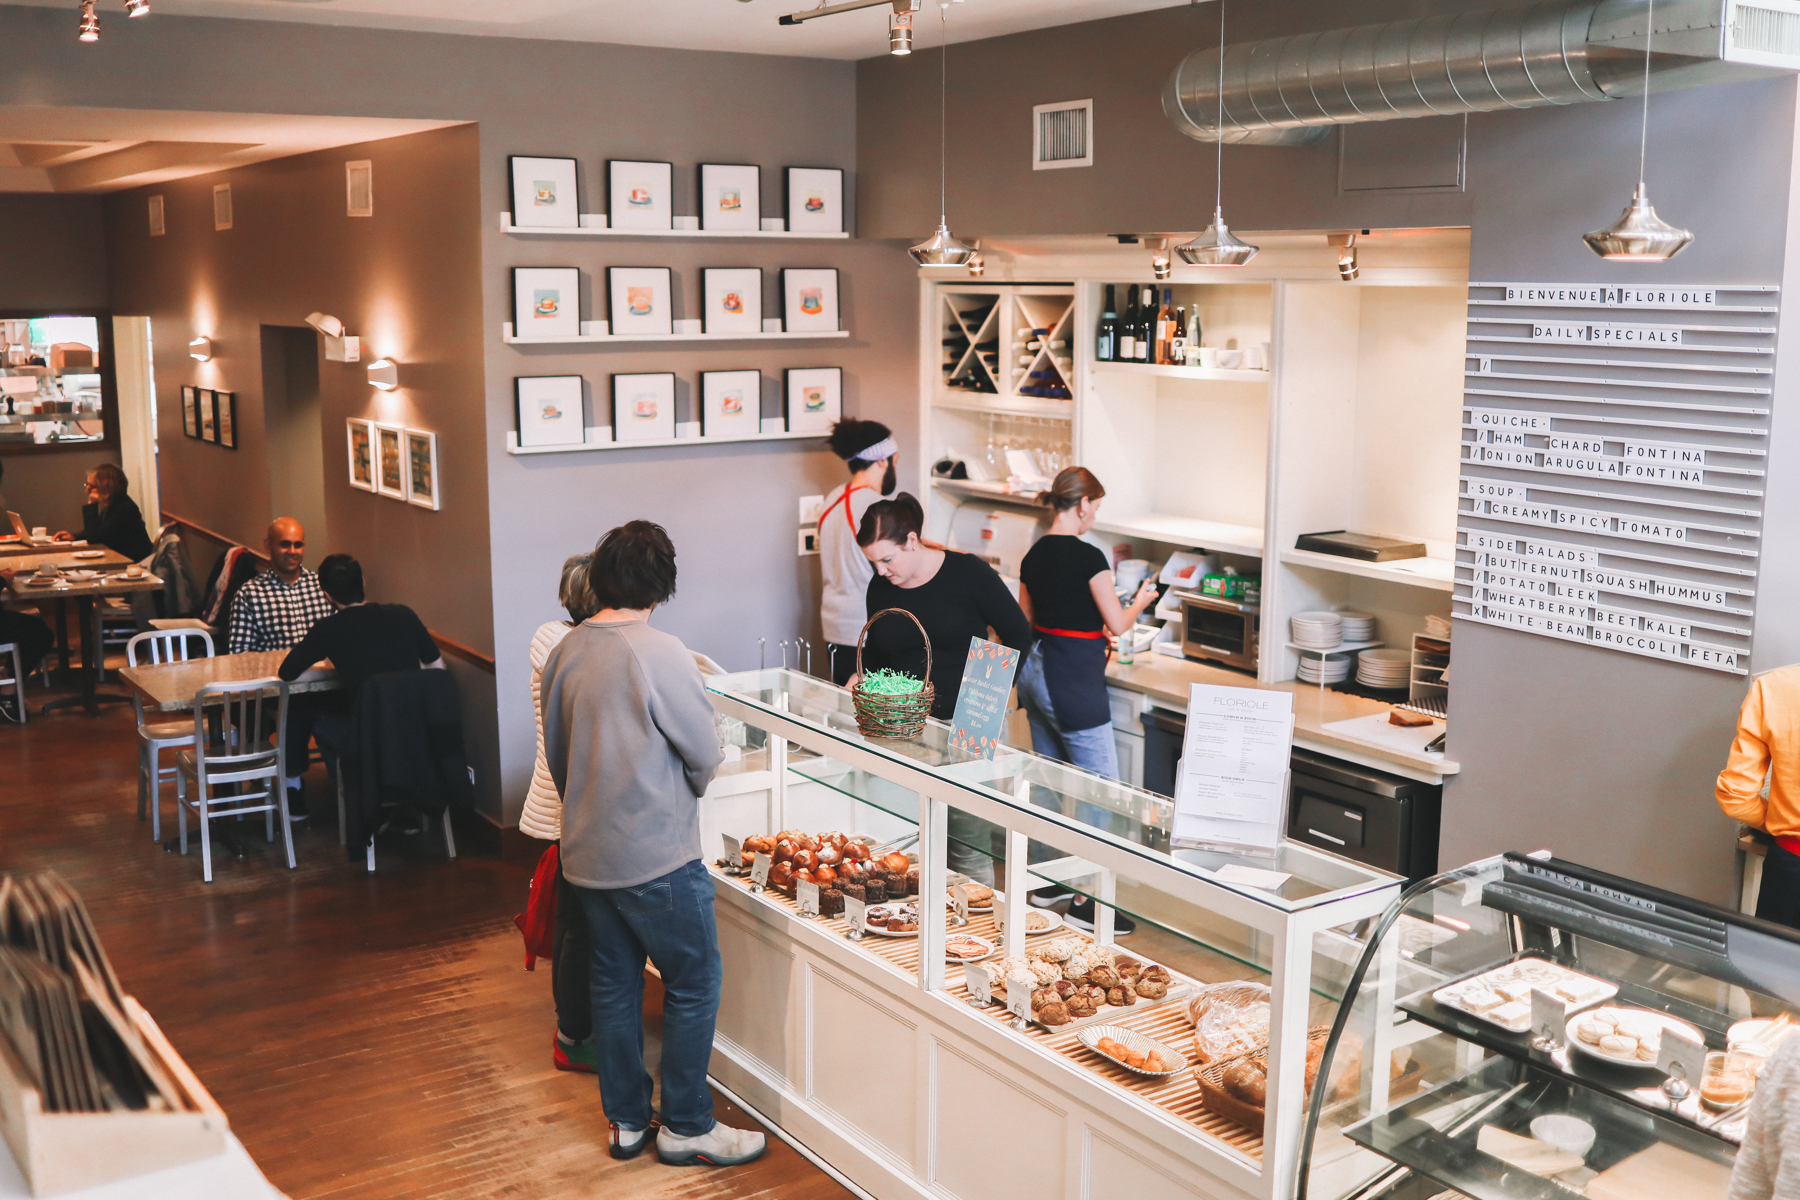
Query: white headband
x=885, y=448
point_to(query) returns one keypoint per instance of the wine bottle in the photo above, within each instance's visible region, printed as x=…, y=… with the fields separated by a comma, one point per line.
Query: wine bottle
x=1146, y=326
x=1178, y=340
x=1128, y=326
x=1165, y=327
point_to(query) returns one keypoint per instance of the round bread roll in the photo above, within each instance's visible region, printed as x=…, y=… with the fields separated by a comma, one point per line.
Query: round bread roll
x=1056, y=952
x=1619, y=1046
x=1043, y=996
x=1045, y=972
x=1151, y=989
x=1054, y=1013
x=1097, y=996
x=1158, y=973
x=1121, y=996
x=1104, y=977
x=1064, y=989
x=1080, y=1005
x=1247, y=1082
x=830, y=856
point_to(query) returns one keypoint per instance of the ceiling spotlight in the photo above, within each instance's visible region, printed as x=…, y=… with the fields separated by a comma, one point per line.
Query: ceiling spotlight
x=1160, y=266
x=200, y=349
x=90, y=24
x=384, y=374
x=900, y=31
x=1346, y=248
x=976, y=264
x=137, y=8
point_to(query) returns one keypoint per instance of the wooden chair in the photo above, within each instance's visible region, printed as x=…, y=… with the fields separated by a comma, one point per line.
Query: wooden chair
x=236, y=754
x=160, y=646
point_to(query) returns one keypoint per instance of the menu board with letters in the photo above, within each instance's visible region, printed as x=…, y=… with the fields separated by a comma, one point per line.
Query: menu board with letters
x=1614, y=448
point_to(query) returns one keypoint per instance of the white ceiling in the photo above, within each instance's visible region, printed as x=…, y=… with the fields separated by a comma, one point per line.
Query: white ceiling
x=743, y=25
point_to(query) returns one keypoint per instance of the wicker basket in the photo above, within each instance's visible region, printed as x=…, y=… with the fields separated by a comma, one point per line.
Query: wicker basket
x=883, y=716
x=1217, y=1099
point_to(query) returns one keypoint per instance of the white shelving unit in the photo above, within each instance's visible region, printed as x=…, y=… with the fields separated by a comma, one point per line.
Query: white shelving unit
x=599, y=228
x=1208, y=374
x=1221, y=536
x=591, y=339
x=1438, y=574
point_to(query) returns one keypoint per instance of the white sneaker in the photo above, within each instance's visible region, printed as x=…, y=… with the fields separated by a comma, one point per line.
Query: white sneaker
x=721, y=1146
x=629, y=1143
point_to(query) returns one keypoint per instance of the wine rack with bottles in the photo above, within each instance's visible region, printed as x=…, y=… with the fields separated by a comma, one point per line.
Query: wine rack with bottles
x=1007, y=349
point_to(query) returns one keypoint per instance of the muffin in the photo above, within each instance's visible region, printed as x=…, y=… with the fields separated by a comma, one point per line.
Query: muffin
x=875, y=891
x=831, y=903
x=855, y=892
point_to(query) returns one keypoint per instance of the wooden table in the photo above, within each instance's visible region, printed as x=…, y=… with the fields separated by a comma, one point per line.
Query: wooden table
x=32, y=557
x=84, y=592
x=171, y=687
x=22, y=546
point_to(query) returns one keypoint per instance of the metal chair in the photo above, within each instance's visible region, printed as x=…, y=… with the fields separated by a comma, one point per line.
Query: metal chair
x=159, y=646
x=337, y=770
x=236, y=754
x=9, y=652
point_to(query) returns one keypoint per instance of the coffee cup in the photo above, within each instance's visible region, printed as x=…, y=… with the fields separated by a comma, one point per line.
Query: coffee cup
x=40, y=531
x=1209, y=357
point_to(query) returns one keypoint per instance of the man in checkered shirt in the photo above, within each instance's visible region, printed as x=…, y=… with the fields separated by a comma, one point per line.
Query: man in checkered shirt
x=273, y=611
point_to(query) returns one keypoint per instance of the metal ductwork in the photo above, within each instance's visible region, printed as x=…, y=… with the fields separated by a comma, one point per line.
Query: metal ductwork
x=1289, y=91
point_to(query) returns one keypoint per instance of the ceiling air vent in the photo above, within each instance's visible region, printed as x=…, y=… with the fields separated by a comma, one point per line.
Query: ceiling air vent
x=1063, y=135
x=1765, y=34
x=359, y=188
x=222, y=206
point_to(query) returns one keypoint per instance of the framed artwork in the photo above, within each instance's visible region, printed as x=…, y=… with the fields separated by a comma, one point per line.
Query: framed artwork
x=733, y=299
x=643, y=407
x=190, y=412
x=730, y=404
x=359, y=435
x=546, y=302
x=422, y=469
x=209, y=428
x=639, y=300
x=548, y=408
x=390, y=461
x=730, y=196
x=809, y=299
x=815, y=200
x=638, y=194
x=544, y=193
x=225, y=414
x=814, y=399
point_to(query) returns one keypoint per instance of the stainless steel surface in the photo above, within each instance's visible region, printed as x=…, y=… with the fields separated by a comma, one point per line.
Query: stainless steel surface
x=941, y=249
x=1289, y=91
x=1238, y=648
x=1216, y=246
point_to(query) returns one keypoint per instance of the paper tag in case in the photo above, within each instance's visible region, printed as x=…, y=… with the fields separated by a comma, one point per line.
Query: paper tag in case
x=806, y=898
x=853, y=913
x=959, y=899
x=1681, y=1057
x=734, y=853
x=975, y=978
x=759, y=869
x=1549, y=1016
x=1018, y=994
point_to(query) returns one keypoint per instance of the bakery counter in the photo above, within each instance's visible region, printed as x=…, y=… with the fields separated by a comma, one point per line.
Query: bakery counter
x=1317, y=712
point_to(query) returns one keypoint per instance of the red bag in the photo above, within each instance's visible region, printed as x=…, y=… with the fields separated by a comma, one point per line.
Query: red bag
x=538, y=921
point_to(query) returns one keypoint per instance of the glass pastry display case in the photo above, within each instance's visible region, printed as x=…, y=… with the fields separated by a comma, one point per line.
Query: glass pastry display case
x=1528, y=1028
x=878, y=1028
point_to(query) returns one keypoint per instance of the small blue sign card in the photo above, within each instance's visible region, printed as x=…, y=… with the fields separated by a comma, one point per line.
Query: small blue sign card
x=979, y=723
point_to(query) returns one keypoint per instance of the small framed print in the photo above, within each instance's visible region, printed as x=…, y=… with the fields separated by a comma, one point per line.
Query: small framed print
x=359, y=436
x=643, y=407
x=638, y=194
x=225, y=415
x=730, y=404
x=390, y=461
x=809, y=298
x=549, y=410
x=544, y=193
x=546, y=302
x=190, y=411
x=730, y=197
x=209, y=428
x=815, y=200
x=733, y=299
x=814, y=399
x=421, y=468
x=639, y=301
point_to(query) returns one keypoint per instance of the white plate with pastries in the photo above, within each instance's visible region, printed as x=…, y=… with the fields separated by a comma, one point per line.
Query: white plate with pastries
x=894, y=911
x=1624, y=1037
x=1502, y=996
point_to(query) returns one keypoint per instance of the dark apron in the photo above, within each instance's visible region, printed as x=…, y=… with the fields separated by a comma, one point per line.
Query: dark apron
x=1075, y=677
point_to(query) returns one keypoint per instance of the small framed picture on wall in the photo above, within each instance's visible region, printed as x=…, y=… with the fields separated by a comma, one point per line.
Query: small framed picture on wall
x=638, y=194
x=644, y=407
x=639, y=300
x=733, y=299
x=422, y=469
x=730, y=404
x=548, y=409
x=359, y=435
x=815, y=200
x=225, y=413
x=546, y=302
x=814, y=399
x=190, y=411
x=730, y=197
x=544, y=193
x=390, y=461
x=809, y=299
x=209, y=428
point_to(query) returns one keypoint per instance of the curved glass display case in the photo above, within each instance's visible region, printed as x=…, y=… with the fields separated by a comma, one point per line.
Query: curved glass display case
x=1528, y=1028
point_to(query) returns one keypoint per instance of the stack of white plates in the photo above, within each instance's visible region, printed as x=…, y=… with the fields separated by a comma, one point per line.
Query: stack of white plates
x=1316, y=630
x=1323, y=670
x=1383, y=668
x=1358, y=627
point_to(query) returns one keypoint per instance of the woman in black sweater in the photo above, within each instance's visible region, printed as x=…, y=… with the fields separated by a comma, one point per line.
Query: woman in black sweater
x=111, y=518
x=956, y=597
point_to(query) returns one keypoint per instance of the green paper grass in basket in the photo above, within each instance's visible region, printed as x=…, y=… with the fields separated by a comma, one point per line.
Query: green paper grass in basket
x=883, y=682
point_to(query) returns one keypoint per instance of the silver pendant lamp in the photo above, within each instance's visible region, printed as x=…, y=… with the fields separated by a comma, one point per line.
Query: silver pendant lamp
x=1218, y=246
x=942, y=249
x=1639, y=235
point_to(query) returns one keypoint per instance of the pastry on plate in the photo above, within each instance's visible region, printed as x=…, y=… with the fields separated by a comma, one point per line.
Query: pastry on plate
x=1080, y=1004
x=1151, y=989
x=1512, y=1013
x=1120, y=996
x=1105, y=977
x=1054, y=1013
x=1619, y=1046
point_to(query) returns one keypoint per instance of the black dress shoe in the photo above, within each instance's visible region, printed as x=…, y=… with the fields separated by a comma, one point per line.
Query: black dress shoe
x=1048, y=897
x=296, y=804
x=1081, y=915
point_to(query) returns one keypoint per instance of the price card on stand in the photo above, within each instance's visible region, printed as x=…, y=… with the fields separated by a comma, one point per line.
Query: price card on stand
x=759, y=870
x=1231, y=790
x=1018, y=994
x=734, y=853
x=1680, y=1057
x=959, y=903
x=1549, y=1019
x=978, y=726
x=975, y=978
x=806, y=899
x=853, y=917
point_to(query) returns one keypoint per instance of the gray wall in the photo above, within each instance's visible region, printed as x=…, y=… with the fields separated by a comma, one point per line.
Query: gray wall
x=1606, y=758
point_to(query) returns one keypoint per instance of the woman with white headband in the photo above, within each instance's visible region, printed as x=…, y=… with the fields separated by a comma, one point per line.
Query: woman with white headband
x=868, y=447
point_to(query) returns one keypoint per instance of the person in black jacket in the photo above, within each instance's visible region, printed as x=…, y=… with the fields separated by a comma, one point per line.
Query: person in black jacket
x=111, y=518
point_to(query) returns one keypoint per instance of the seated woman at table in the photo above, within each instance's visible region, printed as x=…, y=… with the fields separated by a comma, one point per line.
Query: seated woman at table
x=111, y=518
x=29, y=633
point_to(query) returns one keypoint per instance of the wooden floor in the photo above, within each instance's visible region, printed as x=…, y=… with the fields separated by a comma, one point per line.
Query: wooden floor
x=369, y=1036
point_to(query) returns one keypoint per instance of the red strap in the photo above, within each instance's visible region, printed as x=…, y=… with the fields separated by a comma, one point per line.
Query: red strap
x=1075, y=633
x=845, y=501
x=1789, y=842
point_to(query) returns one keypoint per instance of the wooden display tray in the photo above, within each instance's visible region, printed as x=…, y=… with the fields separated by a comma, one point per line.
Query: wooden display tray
x=68, y=1152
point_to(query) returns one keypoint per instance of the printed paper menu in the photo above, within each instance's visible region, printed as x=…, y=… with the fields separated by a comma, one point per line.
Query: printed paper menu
x=1231, y=787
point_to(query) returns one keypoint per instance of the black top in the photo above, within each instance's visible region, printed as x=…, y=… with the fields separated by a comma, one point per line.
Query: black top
x=1056, y=574
x=121, y=528
x=363, y=640
x=961, y=601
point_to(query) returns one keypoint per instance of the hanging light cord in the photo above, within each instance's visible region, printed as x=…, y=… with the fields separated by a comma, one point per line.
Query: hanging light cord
x=1219, y=165
x=943, y=119
x=1644, y=129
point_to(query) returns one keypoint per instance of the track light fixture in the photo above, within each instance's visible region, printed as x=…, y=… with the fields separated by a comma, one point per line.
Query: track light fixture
x=90, y=24
x=1346, y=248
x=1639, y=235
x=1217, y=247
x=900, y=33
x=137, y=8
x=1160, y=266
x=977, y=265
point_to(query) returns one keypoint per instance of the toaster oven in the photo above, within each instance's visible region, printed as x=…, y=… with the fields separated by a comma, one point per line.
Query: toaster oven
x=1214, y=629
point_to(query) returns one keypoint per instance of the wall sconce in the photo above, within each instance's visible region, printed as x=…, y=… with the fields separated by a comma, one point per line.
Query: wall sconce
x=339, y=346
x=200, y=349
x=384, y=373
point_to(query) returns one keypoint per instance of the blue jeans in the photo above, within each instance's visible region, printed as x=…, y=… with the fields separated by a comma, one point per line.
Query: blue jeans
x=1091, y=749
x=670, y=921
